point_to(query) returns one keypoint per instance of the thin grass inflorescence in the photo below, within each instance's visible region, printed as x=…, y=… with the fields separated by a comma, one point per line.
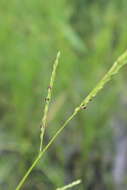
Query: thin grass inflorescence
x=120, y=62
x=47, y=100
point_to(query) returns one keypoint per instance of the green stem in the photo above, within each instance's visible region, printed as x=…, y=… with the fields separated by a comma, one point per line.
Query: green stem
x=74, y=183
x=121, y=61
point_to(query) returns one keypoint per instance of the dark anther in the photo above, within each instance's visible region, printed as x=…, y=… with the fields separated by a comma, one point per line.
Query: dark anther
x=84, y=107
x=47, y=99
x=49, y=87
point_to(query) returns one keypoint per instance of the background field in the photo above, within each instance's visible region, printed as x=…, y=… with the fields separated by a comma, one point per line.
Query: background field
x=90, y=34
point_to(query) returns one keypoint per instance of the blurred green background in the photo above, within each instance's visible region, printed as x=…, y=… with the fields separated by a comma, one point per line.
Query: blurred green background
x=90, y=34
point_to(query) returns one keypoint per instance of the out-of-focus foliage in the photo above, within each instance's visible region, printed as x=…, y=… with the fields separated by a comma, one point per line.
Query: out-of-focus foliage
x=90, y=35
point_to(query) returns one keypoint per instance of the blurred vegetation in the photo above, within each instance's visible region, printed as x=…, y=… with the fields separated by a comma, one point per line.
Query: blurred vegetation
x=90, y=35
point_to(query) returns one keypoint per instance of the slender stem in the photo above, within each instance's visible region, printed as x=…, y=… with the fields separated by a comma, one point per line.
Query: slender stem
x=121, y=61
x=77, y=182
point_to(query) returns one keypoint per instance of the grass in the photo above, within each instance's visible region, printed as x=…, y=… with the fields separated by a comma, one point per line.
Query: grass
x=47, y=100
x=120, y=62
x=77, y=182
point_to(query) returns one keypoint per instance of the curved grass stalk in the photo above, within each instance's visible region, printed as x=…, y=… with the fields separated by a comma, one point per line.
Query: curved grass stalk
x=120, y=62
x=47, y=99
